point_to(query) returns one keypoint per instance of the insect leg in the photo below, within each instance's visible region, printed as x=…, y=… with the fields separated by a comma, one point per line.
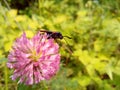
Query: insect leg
x=68, y=49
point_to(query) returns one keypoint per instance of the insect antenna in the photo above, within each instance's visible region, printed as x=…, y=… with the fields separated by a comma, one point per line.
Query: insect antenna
x=67, y=37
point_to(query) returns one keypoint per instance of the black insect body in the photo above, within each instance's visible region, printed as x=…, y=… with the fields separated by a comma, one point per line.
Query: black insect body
x=54, y=35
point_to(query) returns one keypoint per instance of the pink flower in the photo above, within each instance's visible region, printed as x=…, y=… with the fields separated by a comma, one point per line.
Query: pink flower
x=34, y=59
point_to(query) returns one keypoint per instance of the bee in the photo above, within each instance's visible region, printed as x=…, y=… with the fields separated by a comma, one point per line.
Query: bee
x=56, y=35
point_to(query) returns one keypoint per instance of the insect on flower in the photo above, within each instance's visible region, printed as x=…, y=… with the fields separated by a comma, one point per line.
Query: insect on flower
x=56, y=35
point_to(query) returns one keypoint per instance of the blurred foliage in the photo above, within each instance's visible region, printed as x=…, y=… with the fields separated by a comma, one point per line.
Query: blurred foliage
x=93, y=25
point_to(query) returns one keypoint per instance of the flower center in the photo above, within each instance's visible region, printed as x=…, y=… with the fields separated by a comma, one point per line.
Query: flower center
x=35, y=56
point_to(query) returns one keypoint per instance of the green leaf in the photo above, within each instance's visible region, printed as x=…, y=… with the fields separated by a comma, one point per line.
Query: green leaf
x=109, y=71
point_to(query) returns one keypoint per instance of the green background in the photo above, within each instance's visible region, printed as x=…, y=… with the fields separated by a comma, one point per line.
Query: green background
x=89, y=61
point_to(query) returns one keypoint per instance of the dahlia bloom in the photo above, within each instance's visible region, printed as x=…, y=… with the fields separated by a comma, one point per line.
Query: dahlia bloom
x=34, y=59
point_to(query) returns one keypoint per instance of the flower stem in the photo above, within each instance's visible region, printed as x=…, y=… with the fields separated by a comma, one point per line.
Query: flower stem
x=6, y=76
